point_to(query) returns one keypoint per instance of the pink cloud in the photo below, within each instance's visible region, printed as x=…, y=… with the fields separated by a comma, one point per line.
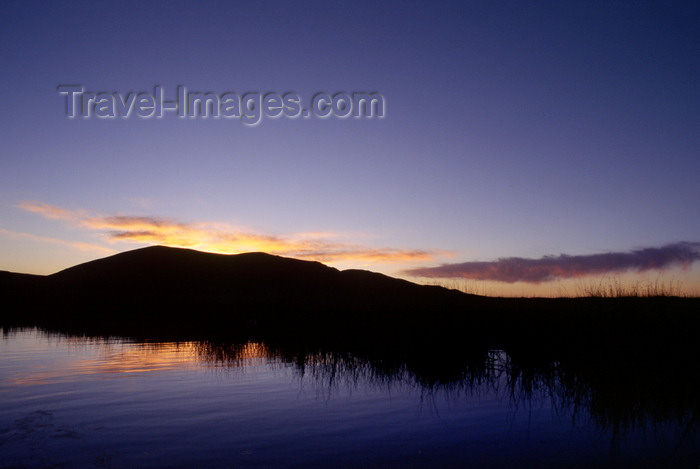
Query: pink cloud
x=547, y=268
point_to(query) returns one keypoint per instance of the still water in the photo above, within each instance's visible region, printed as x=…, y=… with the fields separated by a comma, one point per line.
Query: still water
x=107, y=402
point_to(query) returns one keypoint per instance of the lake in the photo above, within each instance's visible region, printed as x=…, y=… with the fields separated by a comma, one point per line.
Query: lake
x=80, y=401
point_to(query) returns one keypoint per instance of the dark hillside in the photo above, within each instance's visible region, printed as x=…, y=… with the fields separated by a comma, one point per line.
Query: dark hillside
x=161, y=290
x=169, y=288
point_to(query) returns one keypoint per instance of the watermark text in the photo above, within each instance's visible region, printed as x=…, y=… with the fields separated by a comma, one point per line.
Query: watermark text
x=250, y=108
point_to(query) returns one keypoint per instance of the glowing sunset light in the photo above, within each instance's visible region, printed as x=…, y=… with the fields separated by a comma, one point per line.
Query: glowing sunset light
x=224, y=239
x=119, y=357
x=471, y=140
x=432, y=204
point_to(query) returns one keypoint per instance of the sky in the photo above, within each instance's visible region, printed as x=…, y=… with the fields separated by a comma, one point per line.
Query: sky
x=515, y=148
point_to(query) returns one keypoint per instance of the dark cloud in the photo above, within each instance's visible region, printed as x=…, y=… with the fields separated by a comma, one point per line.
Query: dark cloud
x=518, y=269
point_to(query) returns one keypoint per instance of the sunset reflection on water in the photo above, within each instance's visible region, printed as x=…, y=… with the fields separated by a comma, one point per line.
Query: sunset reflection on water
x=72, y=357
x=79, y=401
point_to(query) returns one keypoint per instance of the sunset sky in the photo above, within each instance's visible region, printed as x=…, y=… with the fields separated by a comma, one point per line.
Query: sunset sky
x=526, y=147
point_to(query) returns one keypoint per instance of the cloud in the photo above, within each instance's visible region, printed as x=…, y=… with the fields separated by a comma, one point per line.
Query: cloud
x=226, y=239
x=50, y=211
x=547, y=268
x=43, y=239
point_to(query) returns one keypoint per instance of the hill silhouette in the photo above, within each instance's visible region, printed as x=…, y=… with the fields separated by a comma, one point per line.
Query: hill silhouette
x=626, y=359
x=180, y=288
x=171, y=291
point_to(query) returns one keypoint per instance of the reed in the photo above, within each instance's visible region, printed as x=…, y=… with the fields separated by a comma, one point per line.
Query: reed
x=612, y=287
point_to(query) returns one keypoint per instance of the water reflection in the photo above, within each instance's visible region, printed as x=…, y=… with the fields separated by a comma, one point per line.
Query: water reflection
x=618, y=393
x=297, y=392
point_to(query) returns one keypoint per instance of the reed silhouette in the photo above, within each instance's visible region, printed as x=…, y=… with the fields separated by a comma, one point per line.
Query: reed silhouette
x=620, y=392
x=168, y=291
x=625, y=362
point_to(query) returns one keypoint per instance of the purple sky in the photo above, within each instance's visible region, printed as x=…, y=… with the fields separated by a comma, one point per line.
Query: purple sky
x=512, y=130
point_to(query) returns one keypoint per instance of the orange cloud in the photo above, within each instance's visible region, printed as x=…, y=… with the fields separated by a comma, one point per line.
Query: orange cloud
x=226, y=239
x=49, y=211
x=42, y=239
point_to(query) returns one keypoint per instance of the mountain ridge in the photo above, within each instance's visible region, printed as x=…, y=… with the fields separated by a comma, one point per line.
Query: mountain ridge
x=165, y=286
x=174, y=292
